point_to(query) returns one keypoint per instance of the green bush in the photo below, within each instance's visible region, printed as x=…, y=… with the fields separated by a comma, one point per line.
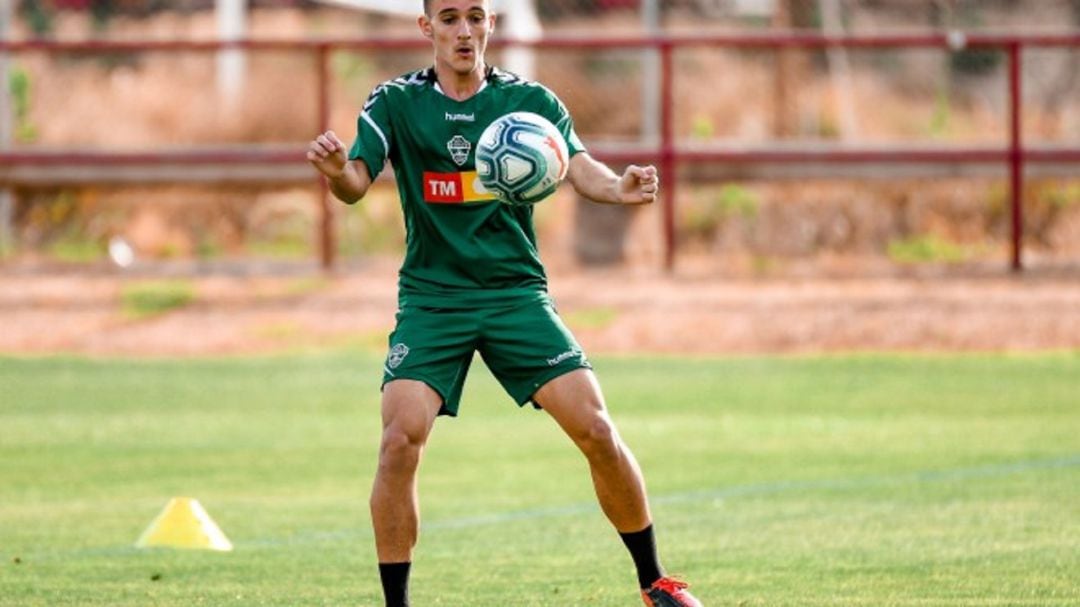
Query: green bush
x=926, y=248
x=733, y=201
x=19, y=85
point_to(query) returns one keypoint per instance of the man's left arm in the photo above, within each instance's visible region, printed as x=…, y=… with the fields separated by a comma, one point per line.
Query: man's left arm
x=595, y=181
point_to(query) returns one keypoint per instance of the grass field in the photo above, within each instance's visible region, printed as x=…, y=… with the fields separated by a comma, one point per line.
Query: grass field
x=849, y=480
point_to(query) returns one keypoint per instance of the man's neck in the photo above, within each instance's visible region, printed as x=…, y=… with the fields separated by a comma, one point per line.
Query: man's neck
x=460, y=87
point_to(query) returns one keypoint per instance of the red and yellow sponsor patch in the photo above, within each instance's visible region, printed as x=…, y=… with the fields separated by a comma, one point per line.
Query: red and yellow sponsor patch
x=454, y=188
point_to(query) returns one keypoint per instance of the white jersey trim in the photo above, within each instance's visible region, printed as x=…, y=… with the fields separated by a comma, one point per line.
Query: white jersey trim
x=379, y=132
x=483, y=85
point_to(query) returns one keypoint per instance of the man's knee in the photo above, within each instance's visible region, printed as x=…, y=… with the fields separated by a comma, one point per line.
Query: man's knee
x=409, y=410
x=400, y=450
x=598, y=438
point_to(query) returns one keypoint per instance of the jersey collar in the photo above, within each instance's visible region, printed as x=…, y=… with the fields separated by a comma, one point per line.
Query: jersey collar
x=488, y=75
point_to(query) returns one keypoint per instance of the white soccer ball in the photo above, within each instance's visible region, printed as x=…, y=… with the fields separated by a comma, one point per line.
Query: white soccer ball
x=521, y=158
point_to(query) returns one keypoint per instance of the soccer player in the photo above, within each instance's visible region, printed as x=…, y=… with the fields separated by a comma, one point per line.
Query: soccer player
x=472, y=281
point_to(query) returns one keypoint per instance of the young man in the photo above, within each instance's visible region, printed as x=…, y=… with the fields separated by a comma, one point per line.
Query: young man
x=472, y=280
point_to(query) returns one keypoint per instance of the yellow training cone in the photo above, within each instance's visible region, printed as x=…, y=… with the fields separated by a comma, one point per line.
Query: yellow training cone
x=184, y=524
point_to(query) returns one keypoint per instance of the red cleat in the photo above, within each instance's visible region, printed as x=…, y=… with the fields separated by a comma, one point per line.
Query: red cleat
x=669, y=592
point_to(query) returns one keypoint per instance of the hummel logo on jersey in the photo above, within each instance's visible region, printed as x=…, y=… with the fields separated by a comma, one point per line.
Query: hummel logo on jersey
x=460, y=117
x=459, y=149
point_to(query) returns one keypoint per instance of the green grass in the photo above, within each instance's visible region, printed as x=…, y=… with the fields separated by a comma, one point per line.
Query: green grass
x=926, y=248
x=155, y=297
x=849, y=480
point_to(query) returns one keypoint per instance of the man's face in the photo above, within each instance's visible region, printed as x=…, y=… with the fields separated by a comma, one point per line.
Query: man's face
x=459, y=29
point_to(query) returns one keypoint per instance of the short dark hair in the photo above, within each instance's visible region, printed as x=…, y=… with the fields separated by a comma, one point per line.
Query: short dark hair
x=427, y=7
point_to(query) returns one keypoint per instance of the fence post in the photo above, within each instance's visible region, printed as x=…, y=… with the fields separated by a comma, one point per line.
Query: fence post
x=1016, y=156
x=232, y=20
x=7, y=196
x=326, y=213
x=668, y=168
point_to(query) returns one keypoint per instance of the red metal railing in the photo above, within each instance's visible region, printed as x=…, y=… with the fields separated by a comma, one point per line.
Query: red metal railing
x=667, y=153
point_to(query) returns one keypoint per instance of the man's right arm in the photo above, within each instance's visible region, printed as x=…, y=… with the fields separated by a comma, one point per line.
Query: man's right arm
x=349, y=180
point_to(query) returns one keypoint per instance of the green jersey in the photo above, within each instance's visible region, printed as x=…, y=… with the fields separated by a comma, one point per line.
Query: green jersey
x=462, y=247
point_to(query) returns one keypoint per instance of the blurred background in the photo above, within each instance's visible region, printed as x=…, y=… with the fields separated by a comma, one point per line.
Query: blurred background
x=135, y=142
x=843, y=343
x=837, y=174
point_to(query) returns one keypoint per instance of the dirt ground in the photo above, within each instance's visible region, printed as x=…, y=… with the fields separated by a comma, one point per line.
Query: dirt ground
x=249, y=309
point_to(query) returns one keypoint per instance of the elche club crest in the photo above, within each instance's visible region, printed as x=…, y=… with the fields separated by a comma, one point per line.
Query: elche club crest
x=397, y=354
x=459, y=149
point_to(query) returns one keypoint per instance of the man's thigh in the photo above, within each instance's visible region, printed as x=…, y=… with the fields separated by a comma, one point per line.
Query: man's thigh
x=527, y=346
x=434, y=346
x=409, y=407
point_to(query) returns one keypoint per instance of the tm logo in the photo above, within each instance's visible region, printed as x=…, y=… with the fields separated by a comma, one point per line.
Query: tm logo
x=442, y=190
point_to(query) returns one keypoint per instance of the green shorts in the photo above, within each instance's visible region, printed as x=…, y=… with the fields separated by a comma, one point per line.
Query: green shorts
x=525, y=345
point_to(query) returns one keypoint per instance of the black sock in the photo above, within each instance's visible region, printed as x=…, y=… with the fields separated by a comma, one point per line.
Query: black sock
x=395, y=583
x=642, y=547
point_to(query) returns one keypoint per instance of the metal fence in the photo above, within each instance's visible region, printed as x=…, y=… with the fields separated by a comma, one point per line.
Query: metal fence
x=710, y=89
x=852, y=16
x=319, y=73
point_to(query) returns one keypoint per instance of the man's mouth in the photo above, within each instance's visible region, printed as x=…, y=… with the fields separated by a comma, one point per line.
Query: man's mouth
x=464, y=52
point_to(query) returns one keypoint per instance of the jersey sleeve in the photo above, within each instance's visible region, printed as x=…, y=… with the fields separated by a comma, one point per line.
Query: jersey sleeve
x=557, y=113
x=373, y=133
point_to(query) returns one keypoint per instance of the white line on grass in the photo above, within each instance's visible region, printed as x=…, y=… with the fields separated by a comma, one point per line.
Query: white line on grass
x=736, y=491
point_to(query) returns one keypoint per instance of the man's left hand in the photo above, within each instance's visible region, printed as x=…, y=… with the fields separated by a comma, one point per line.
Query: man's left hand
x=639, y=185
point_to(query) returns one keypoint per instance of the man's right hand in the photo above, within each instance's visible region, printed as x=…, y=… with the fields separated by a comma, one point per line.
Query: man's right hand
x=327, y=153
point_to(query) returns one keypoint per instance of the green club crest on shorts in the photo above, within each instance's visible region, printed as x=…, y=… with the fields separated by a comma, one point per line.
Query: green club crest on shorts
x=397, y=354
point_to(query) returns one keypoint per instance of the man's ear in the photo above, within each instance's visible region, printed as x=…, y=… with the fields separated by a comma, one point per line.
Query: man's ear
x=425, y=26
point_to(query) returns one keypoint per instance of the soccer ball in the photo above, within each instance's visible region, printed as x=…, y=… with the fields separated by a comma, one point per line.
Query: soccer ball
x=521, y=158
